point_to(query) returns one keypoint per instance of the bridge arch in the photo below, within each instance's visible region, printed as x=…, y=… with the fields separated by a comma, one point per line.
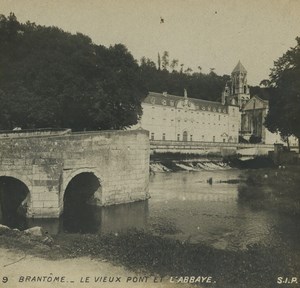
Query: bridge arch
x=69, y=175
x=84, y=178
x=14, y=201
x=82, y=190
x=18, y=176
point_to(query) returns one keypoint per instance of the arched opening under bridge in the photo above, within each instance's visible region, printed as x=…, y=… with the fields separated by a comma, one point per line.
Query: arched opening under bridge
x=81, y=213
x=14, y=195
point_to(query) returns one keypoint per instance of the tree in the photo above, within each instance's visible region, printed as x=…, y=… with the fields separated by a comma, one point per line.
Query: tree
x=51, y=78
x=265, y=83
x=174, y=64
x=284, y=110
x=165, y=60
x=188, y=71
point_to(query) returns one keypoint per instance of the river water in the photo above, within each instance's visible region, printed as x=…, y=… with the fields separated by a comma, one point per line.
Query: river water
x=212, y=213
x=185, y=206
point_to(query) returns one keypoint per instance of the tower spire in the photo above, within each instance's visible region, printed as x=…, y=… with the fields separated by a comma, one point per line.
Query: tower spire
x=239, y=90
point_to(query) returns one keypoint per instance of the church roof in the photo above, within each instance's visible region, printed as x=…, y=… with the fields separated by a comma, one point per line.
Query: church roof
x=172, y=100
x=239, y=68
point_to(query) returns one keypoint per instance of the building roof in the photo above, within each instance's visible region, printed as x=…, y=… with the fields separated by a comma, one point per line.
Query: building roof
x=256, y=103
x=239, y=68
x=164, y=99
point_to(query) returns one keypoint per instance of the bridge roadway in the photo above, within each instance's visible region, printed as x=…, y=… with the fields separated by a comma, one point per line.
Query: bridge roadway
x=43, y=163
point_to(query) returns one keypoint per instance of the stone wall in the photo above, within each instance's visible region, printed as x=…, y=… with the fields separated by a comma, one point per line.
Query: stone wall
x=46, y=165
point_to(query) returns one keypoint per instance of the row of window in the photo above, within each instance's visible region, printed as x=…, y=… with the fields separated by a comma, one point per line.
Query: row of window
x=184, y=137
x=191, y=111
x=204, y=108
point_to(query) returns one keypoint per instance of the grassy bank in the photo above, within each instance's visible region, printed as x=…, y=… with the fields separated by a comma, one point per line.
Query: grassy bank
x=274, y=189
x=144, y=252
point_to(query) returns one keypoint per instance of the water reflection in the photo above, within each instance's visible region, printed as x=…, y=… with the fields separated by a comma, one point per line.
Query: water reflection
x=94, y=219
x=214, y=214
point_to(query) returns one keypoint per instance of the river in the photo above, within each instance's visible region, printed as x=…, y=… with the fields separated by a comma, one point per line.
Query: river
x=185, y=206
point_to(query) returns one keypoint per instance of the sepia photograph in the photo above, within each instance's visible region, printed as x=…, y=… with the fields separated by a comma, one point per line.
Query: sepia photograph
x=149, y=143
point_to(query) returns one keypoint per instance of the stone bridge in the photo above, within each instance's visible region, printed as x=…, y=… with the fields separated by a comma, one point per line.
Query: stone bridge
x=43, y=165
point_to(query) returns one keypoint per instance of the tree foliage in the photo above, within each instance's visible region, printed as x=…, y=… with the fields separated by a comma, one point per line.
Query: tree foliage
x=51, y=78
x=284, y=110
x=199, y=85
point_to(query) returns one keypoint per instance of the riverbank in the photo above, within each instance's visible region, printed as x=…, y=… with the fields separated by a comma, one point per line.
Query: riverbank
x=274, y=189
x=20, y=269
x=145, y=254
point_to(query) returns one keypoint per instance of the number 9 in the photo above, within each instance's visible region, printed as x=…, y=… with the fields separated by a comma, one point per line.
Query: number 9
x=4, y=279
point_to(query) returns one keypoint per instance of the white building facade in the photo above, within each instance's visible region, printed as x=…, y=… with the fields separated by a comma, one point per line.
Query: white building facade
x=177, y=118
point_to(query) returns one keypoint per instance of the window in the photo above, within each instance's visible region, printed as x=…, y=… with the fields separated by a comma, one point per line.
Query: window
x=191, y=137
x=214, y=138
x=219, y=117
x=185, y=136
x=202, y=137
x=164, y=136
x=178, y=137
x=152, y=136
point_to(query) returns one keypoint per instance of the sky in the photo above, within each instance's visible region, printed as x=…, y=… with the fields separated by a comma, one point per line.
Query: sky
x=207, y=33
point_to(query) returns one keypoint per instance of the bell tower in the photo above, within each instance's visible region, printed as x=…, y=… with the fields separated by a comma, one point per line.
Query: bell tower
x=239, y=87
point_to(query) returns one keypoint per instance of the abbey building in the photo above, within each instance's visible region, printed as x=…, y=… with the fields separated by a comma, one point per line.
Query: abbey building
x=181, y=118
